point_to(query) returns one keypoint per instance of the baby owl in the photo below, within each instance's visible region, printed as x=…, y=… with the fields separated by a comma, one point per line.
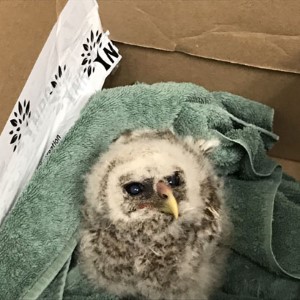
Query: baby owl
x=155, y=223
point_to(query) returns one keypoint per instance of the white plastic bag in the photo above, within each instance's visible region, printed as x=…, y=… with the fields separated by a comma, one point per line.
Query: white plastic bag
x=72, y=66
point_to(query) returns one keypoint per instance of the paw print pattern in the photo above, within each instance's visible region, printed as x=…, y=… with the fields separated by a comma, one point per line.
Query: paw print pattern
x=91, y=54
x=57, y=77
x=22, y=116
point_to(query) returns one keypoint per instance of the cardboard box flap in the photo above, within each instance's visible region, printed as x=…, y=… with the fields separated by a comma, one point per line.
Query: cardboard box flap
x=262, y=34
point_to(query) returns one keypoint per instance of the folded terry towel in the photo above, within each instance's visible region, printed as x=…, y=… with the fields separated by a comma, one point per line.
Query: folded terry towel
x=39, y=235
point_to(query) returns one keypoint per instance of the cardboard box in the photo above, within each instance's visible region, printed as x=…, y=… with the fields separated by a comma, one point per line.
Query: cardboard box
x=249, y=48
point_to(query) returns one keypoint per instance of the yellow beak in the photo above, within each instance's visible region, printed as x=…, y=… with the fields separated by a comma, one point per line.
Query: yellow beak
x=170, y=205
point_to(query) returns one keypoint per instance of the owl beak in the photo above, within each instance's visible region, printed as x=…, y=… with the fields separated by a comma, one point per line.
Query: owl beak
x=170, y=205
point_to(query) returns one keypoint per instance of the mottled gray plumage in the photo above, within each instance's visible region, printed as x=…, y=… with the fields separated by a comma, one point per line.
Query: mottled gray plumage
x=134, y=244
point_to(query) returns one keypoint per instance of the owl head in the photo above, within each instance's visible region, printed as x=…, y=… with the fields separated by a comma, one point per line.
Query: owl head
x=147, y=174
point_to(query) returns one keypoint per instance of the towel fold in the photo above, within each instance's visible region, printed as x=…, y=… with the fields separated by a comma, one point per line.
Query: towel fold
x=38, y=237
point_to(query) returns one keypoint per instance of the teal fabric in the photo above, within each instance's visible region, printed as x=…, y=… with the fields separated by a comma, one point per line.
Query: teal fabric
x=38, y=237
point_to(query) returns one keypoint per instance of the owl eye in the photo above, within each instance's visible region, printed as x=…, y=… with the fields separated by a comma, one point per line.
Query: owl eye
x=134, y=188
x=174, y=180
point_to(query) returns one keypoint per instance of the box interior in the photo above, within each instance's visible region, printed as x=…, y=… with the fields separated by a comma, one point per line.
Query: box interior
x=246, y=48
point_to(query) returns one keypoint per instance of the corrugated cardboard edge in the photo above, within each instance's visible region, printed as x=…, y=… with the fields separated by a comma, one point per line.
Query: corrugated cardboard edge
x=202, y=29
x=176, y=49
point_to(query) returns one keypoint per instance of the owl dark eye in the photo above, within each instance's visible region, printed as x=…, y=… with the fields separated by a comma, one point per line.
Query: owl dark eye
x=174, y=180
x=134, y=188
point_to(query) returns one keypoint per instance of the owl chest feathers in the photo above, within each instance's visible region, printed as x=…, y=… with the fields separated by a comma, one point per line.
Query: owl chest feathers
x=153, y=251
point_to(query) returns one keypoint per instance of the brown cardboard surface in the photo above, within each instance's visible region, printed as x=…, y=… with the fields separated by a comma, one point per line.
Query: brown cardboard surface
x=276, y=89
x=290, y=167
x=250, y=48
x=24, y=28
x=212, y=43
x=264, y=34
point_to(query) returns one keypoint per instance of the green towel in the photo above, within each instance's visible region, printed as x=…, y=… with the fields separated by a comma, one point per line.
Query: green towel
x=39, y=235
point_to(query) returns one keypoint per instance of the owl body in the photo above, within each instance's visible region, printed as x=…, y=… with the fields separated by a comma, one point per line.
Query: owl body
x=155, y=224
